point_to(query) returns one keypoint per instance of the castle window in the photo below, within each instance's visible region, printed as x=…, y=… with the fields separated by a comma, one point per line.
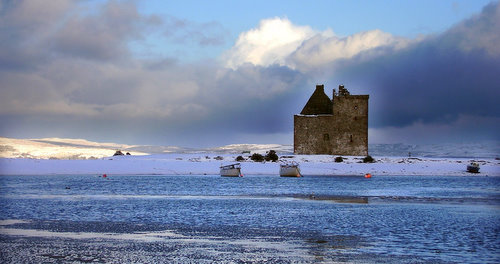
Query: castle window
x=355, y=107
x=326, y=137
x=350, y=138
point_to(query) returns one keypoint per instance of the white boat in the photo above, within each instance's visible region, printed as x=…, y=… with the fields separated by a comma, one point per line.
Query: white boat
x=290, y=170
x=473, y=167
x=231, y=170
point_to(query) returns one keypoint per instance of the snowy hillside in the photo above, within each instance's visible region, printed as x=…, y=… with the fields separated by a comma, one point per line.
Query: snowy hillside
x=56, y=148
x=59, y=148
x=62, y=148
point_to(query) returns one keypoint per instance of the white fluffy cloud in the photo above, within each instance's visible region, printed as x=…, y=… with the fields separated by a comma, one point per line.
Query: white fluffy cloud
x=270, y=43
x=321, y=50
x=278, y=41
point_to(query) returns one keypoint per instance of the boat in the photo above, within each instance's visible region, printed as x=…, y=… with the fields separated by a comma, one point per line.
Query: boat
x=290, y=169
x=231, y=170
x=473, y=167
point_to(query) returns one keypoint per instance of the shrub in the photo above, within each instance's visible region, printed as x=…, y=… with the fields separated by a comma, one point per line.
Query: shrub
x=240, y=158
x=339, y=159
x=218, y=158
x=257, y=157
x=368, y=159
x=272, y=156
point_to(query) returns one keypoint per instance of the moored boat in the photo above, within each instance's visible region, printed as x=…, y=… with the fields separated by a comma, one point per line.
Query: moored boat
x=291, y=169
x=231, y=170
x=473, y=167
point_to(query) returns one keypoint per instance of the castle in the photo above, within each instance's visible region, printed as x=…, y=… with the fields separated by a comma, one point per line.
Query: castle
x=335, y=127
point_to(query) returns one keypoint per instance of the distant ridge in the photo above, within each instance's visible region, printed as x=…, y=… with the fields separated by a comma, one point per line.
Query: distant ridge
x=63, y=148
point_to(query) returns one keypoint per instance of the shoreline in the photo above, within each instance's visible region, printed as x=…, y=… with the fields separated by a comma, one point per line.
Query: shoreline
x=209, y=163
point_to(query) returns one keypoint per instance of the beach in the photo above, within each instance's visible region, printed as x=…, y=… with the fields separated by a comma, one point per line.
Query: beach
x=209, y=164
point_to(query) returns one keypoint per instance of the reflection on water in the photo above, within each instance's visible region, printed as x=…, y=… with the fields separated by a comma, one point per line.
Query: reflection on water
x=345, y=219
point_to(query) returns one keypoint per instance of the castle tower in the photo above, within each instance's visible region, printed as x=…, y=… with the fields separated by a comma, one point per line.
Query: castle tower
x=341, y=131
x=351, y=123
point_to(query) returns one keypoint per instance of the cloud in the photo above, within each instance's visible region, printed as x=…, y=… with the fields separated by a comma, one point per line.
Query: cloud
x=185, y=105
x=480, y=32
x=421, y=84
x=103, y=35
x=440, y=77
x=25, y=27
x=465, y=128
x=321, y=50
x=35, y=32
x=270, y=43
x=79, y=88
x=436, y=82
x=204, y=34
x=278, y=41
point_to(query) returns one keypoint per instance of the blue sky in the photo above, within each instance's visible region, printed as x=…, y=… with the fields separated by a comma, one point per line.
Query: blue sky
x=403, y=18
x=209, y=73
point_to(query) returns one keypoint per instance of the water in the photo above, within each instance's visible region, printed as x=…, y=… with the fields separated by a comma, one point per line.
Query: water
x=389, y=219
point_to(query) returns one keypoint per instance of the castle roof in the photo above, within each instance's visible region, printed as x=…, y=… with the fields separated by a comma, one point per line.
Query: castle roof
x=319, y=103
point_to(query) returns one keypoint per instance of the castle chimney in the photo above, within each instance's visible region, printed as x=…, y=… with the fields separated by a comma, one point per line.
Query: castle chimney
x=320, y=87
x=343, y=91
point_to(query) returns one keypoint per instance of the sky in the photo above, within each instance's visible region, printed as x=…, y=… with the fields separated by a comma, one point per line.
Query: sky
x=211, y=73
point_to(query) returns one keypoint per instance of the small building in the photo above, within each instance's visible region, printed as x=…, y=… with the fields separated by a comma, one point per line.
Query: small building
x=337, y=126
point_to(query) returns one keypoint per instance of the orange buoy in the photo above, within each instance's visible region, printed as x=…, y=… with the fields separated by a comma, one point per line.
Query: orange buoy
x=368, y=175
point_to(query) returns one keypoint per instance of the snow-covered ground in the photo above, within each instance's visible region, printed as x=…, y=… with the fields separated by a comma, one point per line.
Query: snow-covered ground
x=185, y=164
x=76, y=156
x=56, y=148
x=63, y=148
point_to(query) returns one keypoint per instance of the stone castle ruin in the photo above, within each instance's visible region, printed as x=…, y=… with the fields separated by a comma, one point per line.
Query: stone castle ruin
x=334, y=127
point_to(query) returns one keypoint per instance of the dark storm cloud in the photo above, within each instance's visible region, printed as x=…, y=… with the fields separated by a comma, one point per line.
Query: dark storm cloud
x=436, y=80
x=23, y=31
x=104, y=35
x=255, y=99
x=34, y=33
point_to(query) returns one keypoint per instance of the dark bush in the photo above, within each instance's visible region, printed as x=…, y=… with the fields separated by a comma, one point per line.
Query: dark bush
x=240, y=158
x=339, y=159
x=272, y=156
x=368, y=159
x=218, y=158
x=257, y=157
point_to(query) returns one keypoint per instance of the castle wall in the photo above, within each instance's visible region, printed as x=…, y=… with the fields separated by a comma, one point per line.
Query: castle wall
x=350, y=125
x=312, y=134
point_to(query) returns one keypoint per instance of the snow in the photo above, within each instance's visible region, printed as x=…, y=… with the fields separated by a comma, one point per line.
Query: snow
x=201, y=164
x=55, y=148
x=50, y=156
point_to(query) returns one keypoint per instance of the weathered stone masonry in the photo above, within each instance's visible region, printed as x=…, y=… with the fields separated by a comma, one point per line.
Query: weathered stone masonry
x=335, y=127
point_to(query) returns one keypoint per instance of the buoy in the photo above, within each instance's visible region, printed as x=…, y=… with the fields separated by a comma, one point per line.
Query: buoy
x=104, y=175
x=368, y=175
